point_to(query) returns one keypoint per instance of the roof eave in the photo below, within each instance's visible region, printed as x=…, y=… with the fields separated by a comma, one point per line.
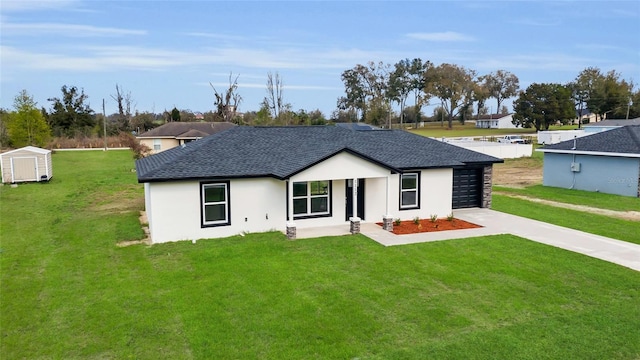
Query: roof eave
x=586, y=152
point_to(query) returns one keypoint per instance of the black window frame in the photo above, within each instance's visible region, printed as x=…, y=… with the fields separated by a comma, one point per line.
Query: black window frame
x=225, y=222
x=417, y=190
x=308, y=196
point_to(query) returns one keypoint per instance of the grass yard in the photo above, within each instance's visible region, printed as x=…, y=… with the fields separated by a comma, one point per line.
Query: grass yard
x=578, y=197
x=624, y=230
x=66, y=290
x=435, y=129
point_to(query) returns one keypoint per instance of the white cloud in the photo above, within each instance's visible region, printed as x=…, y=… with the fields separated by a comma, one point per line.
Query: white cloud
x=440, y=36
x=32, y=5
x=71, y=30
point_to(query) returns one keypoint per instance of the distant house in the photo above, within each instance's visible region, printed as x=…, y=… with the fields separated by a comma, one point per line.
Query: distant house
x=174, y=134
x=256, y=179
x=607, y=162
x=605, y=125
x=26, y=164
x=586, y=116
x=495, y=121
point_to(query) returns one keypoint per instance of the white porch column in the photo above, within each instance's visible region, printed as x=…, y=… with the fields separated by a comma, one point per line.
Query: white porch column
x=354, y=203
x=291, y=225
x=387, y=219
x=355, y=220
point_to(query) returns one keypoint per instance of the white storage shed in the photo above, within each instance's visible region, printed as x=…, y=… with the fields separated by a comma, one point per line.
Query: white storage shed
x=26, y=164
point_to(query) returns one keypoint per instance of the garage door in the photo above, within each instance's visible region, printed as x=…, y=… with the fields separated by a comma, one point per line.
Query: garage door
x=467, y=188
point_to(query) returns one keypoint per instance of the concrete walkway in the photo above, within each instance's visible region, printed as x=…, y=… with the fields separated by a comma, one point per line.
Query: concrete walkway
x=494, y=222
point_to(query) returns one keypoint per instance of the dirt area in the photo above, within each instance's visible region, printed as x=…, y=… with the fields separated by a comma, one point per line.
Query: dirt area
x=518, y=173
x=128, y=199
x=426, y=225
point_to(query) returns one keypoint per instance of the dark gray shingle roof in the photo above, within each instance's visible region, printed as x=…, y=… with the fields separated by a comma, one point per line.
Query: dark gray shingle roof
x=281, y=152
x=187, y=129
x=615, y=122
x=622, y=140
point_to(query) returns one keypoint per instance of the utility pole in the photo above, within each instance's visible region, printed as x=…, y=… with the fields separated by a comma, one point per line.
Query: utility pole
x=104, y=125
x=628, y=106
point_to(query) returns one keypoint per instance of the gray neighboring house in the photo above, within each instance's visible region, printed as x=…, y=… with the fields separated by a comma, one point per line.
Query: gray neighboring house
x=605, y=125
x=607, y=162
x=256, y=179
x=174, y=134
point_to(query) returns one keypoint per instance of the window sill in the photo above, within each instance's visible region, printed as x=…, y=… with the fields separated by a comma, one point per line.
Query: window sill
x=215, y=225
x=310, y=216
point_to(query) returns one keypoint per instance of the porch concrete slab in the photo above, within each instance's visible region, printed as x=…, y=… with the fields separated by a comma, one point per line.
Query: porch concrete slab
x=315, y=232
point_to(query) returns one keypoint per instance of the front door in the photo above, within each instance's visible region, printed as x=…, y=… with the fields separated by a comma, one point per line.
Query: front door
x=349, y=198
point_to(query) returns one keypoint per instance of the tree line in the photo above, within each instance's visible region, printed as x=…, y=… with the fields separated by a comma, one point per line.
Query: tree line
x=372, y=92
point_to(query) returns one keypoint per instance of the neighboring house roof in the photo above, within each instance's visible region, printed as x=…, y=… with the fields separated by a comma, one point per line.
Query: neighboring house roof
x=615, y=122
x=186, y=130
x=282, y=152
x=492, y=116
x=622, y=141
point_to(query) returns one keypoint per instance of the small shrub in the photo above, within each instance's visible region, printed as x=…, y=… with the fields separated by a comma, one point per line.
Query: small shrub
x=416, y=220
x=433, y=217
x=139, y=150
x=397, y=222
x=450, y=217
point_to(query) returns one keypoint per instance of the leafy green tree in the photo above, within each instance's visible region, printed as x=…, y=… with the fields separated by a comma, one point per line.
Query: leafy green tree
x=71, y=115
x=542, y=105
x=175, y=114
x=453, y=85
x=26, y=125
x=501, y=86
x=4, y=135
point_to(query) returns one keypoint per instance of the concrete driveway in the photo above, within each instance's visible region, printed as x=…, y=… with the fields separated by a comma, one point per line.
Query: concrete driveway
x=494, y=222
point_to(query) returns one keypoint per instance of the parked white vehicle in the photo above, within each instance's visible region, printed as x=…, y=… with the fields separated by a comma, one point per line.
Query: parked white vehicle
x=512, y=139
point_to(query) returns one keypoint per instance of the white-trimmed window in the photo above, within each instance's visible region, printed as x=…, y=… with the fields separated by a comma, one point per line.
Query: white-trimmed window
x=311, y=198
x=215, y=204
x=157, y=144
x=409, y=191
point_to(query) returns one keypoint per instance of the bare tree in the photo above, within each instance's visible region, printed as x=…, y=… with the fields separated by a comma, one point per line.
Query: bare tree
x=124, y=101
x=227, y=103
x=274, y=94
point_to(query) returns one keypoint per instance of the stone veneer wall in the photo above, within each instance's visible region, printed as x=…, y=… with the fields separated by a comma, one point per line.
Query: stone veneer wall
x=487, y=175
x=639, y=178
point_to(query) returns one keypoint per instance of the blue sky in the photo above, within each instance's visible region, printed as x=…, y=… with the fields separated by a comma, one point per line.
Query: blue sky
x=167, y=52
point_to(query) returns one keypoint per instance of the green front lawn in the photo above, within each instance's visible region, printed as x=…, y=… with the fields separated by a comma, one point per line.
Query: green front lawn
x=619, y=229
x=577, y=197
x=67, y=290
x=435, y=129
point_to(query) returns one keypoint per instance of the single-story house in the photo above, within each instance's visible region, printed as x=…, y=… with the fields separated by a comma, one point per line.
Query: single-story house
x=607, y=162
x=610, y=124
x=495, y=121
x=29, y=163
x=256, y=179
x=174, y=134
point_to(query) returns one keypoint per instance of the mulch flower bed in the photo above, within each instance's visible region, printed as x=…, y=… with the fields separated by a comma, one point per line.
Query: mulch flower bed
x=426, y=225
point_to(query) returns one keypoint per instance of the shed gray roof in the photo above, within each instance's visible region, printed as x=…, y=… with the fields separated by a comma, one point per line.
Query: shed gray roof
x=282, y=152
x=622, y=140
x=187, y=129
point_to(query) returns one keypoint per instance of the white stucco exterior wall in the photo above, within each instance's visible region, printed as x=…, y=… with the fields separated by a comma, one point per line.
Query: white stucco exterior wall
x=341, y=166
x=436, y=191
x=257, y=205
